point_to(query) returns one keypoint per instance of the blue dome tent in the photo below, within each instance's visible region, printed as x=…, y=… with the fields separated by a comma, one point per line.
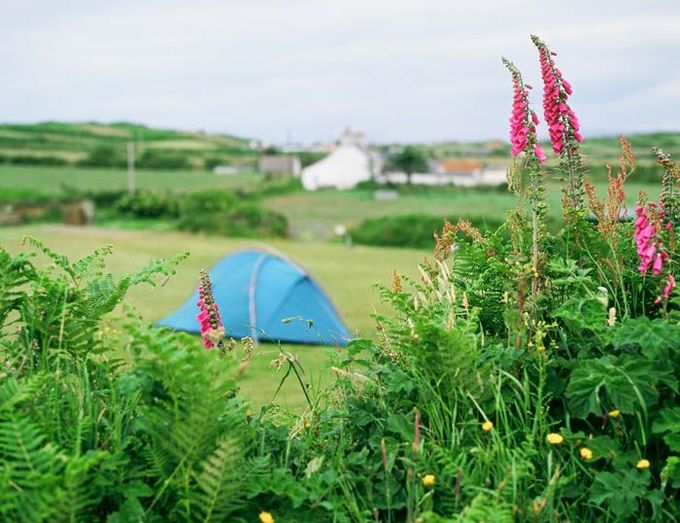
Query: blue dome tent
x=269, y=298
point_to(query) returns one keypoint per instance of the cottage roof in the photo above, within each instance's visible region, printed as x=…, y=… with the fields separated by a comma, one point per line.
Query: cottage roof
x=454, y=165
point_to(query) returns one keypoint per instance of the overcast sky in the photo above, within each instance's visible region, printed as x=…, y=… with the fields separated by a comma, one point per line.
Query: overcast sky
x=400, y=71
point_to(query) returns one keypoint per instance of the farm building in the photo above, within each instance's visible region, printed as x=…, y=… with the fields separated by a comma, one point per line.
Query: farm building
x=453, y=171
x=468, y=173
x=271, y=165
x=351, y=162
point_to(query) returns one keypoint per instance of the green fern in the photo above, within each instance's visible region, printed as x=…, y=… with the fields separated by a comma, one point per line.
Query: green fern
x=14, y=392
x=485, y=509
x=30, y=471
x=219, y=480
x=80, y=494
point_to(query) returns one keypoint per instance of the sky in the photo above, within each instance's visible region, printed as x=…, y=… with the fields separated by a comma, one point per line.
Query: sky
x=413, y=71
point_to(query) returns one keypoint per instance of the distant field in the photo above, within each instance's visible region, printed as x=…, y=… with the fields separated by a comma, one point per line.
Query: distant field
x=598, y=149
x=315, y=214
x=62, y=142
x=53, y=179
x=347, y=274
x=312, y=215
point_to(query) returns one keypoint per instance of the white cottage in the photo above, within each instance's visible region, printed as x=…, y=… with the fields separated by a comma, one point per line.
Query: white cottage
x=350, y=163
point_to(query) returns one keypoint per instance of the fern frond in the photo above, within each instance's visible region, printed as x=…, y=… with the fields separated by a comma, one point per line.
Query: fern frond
x=30, y=470
x=14, y=392
x=93, y=263
x=80, y=493
x=59, y=260
x=219, y=479
x=486, y=509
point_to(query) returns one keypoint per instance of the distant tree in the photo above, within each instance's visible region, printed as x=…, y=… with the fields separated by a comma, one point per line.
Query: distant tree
x=105, y=156
x=162, y=159
x=409, y=161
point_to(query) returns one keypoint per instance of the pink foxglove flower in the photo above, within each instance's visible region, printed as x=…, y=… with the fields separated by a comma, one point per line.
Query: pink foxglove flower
x=645, y=233
x=523, y=120
x=539, y=153
x=209, y=319
x=649, y=242
x=670, y=285
x=563, y=125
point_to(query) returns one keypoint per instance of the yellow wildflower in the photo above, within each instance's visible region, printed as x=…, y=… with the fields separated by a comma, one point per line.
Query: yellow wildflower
x=487, y=426
x=429, y=480
x=266, y=517
x=614, y=413
x=586, y=453
x=554, y=439
x=643, y=464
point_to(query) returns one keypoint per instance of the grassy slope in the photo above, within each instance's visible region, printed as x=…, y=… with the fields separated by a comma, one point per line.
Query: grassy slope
x=74, y=141
x=608, y=148
x=598, y=149
x=347, y=274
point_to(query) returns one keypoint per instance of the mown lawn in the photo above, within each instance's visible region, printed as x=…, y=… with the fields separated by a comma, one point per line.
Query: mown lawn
x=347, y=274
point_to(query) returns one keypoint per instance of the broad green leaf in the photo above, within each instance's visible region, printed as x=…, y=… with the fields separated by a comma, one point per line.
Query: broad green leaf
x=627, y=384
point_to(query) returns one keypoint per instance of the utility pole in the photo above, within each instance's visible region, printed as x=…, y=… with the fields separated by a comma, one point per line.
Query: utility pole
x=131, y=167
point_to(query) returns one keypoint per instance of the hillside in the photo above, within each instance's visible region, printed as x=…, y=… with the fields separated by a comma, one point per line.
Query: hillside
x=609, y=147
x=104, y=145
x=598, y=150
x=90, y=144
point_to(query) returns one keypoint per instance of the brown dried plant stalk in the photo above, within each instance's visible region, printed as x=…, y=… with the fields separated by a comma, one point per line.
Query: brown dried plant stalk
x=444, y=242
x=609, y=212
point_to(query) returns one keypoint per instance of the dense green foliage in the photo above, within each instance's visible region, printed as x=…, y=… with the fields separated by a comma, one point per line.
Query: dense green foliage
x=226, y=214
x=214, y=212
x=223, y=213
x=148, y=204
x=411, y=230
x=25, y=159
x=476, y=403
x=408, y=161
x=85, y=435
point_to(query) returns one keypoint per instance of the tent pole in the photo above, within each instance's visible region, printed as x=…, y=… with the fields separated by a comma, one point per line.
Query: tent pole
x=252, y=311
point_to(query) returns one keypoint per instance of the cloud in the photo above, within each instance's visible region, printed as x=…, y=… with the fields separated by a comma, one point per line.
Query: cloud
x=400, y=70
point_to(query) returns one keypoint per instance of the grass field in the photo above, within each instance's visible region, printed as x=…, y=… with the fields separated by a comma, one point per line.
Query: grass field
x=312, y=215
x=53, y=179
x=347, y=274
x=315, y=214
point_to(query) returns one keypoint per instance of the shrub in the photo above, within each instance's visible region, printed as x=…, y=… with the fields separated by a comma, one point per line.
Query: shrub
x=222, y=213
x=149, y=204
x=162, y=159
x=411, y=230
x=106, y=156
x=10, y=195
x=25, y=159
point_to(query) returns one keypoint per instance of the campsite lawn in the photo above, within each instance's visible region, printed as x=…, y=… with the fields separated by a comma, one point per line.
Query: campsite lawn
x=347, y=274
